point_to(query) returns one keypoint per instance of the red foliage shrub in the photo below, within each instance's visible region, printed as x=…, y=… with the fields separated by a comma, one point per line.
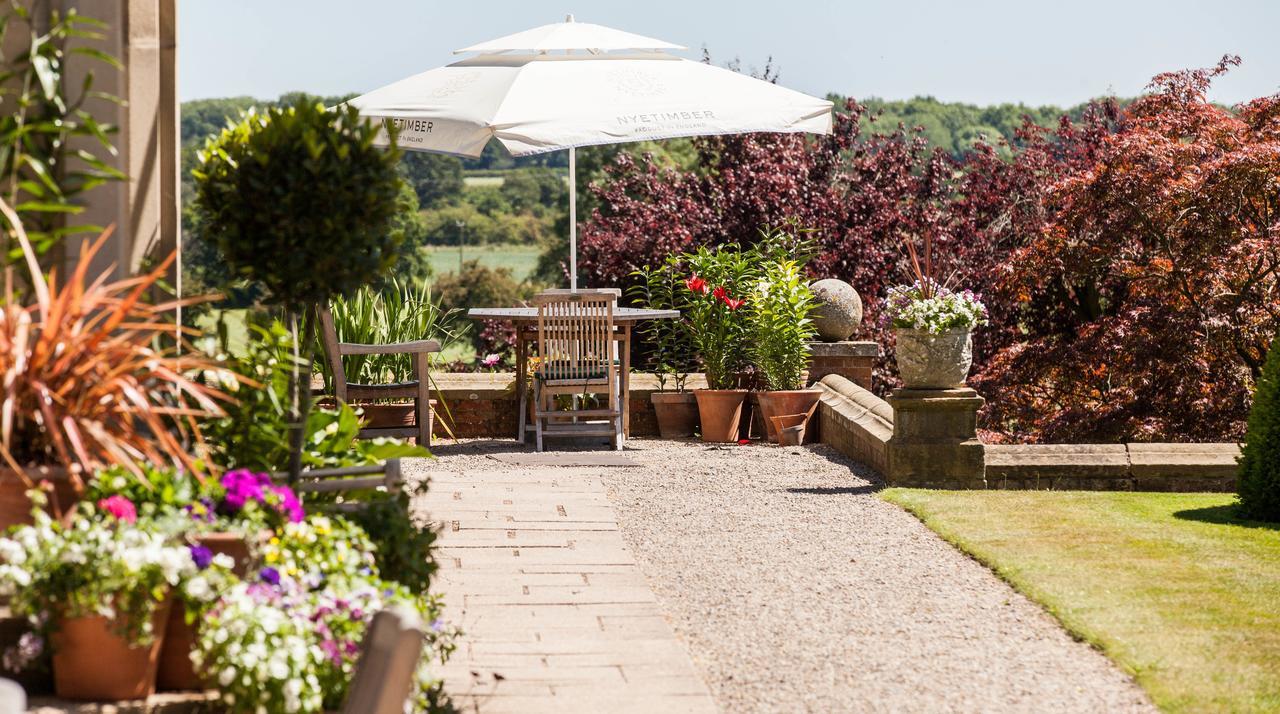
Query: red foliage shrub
x=1129, y=260
x=1149, y=298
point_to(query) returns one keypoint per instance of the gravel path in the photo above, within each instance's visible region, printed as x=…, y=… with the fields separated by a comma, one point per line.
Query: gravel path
x=796, y=589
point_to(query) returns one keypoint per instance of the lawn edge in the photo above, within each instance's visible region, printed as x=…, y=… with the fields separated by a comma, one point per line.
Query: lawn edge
x=1009, y=576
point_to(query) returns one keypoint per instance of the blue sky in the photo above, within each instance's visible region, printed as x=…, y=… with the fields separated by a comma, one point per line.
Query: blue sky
x=980, y=51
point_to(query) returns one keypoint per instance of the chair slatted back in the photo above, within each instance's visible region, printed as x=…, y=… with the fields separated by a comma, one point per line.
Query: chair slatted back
x=575, y=334
x=329, y=338
x=388, y=661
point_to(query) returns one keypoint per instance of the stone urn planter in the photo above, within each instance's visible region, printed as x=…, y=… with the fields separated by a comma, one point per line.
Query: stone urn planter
x=677, y=414
x=720, y=413
x=929, y=361
x=93, y=662
x=791, y=401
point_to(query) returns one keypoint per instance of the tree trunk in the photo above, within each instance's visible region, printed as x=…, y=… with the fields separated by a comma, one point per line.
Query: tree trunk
x=300, y=388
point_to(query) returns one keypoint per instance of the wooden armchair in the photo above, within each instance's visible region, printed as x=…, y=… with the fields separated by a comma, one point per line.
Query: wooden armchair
x=389, y=656
x=418, y=389
x=576, y=351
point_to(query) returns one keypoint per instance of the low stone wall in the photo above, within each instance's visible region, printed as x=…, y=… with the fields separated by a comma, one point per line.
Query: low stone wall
x=484, y=405
x=1113, y=467
x=861, y=426
x=854, y=421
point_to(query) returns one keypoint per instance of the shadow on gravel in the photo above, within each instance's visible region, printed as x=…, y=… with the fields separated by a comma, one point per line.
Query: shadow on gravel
x=835, y=490
x=1222, y=516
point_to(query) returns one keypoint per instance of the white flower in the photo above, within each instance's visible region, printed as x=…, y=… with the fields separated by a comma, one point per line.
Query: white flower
x=12, y=552
x=225, y=677
x=198, y=589
x=224, y=561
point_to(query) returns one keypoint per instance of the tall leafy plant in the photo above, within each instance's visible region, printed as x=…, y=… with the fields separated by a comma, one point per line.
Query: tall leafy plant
x=715, y=293
x=300, y=200
x=397, y=313
x=781, y=326
x=663, y=288
x=51, y=146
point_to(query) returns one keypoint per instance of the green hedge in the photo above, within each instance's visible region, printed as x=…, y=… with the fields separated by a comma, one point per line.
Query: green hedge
x=1260, y=462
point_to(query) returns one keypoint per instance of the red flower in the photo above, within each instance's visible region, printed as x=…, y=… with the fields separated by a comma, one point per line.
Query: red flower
x=696, y=284
x=720, y=293
x=734, y=304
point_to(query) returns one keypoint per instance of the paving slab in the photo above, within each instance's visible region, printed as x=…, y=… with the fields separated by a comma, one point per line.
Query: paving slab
x=556, y=615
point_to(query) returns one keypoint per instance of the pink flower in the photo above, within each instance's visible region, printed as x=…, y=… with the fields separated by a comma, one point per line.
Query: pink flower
x=491, y=360
x=119, y=507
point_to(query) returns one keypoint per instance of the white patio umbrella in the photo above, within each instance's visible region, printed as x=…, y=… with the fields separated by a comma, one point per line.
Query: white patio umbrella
x=570, y=84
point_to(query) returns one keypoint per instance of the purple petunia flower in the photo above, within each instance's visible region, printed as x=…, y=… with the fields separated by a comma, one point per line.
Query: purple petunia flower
x=270, y=575
x=201, y=556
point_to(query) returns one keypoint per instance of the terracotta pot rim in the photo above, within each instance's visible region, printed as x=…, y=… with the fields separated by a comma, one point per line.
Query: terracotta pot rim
x=721, y=391
x=673, y=396
x=791, y=391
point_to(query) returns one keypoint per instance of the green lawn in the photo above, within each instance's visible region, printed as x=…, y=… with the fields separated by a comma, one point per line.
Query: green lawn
x=522, y=259
x=1170, y=586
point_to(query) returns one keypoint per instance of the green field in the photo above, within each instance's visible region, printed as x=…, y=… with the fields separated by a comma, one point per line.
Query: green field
x=1172, y=587
x=521, y=259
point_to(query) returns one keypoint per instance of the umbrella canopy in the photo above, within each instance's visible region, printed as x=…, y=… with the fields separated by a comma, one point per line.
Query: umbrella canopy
x=571, y=84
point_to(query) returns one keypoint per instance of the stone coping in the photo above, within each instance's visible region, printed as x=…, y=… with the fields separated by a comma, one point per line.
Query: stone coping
x=845, y=348
x=162, y=703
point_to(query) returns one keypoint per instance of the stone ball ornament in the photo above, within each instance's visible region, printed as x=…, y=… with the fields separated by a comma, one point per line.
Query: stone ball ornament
x=839, y=311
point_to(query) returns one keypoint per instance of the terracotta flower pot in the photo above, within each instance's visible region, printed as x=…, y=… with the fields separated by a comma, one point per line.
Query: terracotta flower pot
x=789, y=428
x=720, y=411
x=797, y=401
x=378, y=416
x=91, y=662
x=175, y=672
x=677, y=413
x=233, y=545
x=15, y=507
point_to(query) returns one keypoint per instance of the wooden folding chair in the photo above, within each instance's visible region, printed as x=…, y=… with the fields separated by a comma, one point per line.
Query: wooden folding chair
x=389, y=656
x=576, y=358
x=418, y=389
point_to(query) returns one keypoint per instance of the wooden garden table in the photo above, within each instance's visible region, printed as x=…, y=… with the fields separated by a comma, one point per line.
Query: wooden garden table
x=525, y=320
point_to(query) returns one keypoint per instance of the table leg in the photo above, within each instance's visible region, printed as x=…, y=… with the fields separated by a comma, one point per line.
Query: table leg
x=626, y=381
x=521, y=395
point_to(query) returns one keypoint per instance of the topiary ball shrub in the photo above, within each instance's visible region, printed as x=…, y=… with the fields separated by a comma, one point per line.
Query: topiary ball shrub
x=1260, y=461
x=300, y=199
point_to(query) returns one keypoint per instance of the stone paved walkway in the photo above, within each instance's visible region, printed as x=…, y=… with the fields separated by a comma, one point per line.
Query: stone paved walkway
x=556, y=614
x=774, y=575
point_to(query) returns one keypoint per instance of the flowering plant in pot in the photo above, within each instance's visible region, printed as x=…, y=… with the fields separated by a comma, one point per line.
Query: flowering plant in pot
x=287, y=639
x=98, y=590
x=713, y=300
x=933, y=326
x=672, y=357
x=780, y=331
x=228, y=520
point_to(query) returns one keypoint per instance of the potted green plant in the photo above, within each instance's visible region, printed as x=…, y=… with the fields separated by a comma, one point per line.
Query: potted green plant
x=672, y=356
x=781, y=328
x=301, y=200
x=95, y=592
x=397, y=312
x=933, y=326
x=116, y=389
x=714, y=297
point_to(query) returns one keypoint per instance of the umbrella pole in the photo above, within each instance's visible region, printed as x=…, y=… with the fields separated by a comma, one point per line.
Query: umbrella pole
x=573, y=218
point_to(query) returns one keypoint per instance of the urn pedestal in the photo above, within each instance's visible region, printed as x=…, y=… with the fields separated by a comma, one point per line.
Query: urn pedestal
x=935, y=442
